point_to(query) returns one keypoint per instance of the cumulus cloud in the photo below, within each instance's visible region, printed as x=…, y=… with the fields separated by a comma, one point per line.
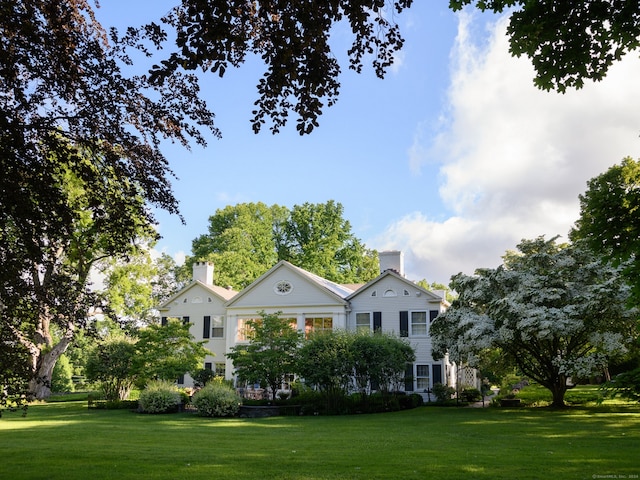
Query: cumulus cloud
x=513, y=159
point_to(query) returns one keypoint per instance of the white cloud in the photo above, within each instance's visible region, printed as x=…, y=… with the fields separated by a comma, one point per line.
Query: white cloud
x=513, y=158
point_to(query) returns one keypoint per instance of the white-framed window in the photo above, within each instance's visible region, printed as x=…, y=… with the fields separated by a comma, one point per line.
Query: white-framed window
x=418, y=323
x=317, y=324
x=422, y=377
x=363, y=322
x=217, y=326
x=390, y=293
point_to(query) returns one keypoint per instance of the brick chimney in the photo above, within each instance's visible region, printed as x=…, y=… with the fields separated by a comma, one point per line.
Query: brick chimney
x=203, y=272
x=392, y=260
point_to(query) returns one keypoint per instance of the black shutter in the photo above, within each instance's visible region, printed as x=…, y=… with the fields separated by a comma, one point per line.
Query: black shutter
x=433, y=314
x=437, y=373
x=185, y=320
x=408, y=378
x=206, y=329
x=208, y=366
x=377, y=321
x=181, y=380
x=163, y=321
x=404, y=324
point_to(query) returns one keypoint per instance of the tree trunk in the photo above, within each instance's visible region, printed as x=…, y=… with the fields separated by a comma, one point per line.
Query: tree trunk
x=558, y=390
x=40, y=383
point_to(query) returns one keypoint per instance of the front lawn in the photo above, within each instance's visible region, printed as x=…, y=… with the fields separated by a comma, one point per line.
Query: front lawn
x=68, y=441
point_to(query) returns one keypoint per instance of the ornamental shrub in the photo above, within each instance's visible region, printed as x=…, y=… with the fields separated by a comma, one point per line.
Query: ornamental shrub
x=443, y=392
x=217, y=399
x=159, y=396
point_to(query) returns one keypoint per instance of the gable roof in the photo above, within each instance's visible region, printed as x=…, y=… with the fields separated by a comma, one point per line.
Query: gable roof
x=224, y=294
x=430, y=295
x=339, y=292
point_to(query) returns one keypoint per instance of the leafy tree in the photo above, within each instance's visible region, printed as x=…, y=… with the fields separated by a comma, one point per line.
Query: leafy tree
x=610, y=218
x=291, y=37
x=247, y=239
x=240, y=243
x=325, y=361
x=568, y=41
x=319, y=239
x=112, y=363
x=81, y=161
x=270, y=354
x=164, y=352
x=379, y=360
x=555, y=311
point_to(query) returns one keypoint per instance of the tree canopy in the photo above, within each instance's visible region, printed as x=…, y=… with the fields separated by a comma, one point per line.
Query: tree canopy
x=568, y=41
x=247, y=239
x=610, y=218
x=556, y=311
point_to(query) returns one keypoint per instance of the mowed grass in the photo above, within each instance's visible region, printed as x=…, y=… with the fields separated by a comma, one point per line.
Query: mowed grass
x=67, y=441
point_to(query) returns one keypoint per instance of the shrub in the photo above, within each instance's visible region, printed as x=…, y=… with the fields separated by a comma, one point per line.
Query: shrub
x=160, y=396
x=625, y=385
x=202, y=377
x=217, y=399
x=442, y=392
x=470, y=394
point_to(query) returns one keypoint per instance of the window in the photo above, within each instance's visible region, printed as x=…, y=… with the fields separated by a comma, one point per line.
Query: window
x=406, y=293
x=185, y=320
x=317, y=324
x=283, y=287
x=217, y=329
x=363, y=322
x=208, y=366
x=221, y=369
x=390, y=293
x=422, y=377
x=244, y=329
x=418, y=323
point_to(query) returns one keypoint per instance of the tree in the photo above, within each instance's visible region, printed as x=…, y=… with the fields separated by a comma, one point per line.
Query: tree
x=380, y=360
x=610, y=218
x=111, y=362
x=240, y=242
x=318, y=239
x=247, y=239
x=81, y=162
x=326, y=362
x=555, y=311
x=291, y=37
x=270, y=354
x=568, y=41
x=165, y=352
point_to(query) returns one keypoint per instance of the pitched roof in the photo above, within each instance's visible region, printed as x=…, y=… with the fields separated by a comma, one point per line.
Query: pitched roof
x=395, y=274
x=225, y=294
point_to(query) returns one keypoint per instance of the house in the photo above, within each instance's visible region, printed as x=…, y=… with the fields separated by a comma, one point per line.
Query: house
x=390, y=303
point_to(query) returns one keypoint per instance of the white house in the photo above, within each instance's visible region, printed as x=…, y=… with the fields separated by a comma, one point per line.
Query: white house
x=390, y=302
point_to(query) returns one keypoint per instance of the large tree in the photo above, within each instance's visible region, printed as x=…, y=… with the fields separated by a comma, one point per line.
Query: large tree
x=556, y=311
x=610, y=218
x=291, y=38
x=568, y=41
x=247, y=239
x=319, y=239
x=80, y=162
x=240, y=242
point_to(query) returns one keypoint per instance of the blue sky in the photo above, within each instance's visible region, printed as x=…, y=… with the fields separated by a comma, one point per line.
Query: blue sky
x=453, y=158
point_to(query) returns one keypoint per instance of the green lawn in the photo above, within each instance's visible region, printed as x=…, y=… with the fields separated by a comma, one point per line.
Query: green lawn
x=67, y=441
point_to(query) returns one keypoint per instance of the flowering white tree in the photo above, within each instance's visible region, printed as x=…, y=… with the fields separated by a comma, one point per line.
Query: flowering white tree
x=554, y=309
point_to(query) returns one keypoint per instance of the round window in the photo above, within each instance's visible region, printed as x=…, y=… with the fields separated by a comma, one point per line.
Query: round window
x=283, y=287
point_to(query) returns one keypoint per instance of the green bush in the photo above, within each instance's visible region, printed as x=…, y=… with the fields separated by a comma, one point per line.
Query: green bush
x=160, y=396
x=442, y=392
x=625, y=385
x=217, y=399
x=61, y=378
x=470, y=395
